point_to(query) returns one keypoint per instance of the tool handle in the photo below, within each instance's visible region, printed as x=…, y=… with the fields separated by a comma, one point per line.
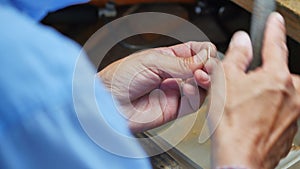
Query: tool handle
x=261, y=11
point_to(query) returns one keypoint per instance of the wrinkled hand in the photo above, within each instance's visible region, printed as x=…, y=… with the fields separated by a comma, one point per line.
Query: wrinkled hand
x=261, y=106
x=157, y=85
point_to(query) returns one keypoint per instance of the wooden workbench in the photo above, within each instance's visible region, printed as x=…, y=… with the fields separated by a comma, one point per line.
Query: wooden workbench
x=290, y=9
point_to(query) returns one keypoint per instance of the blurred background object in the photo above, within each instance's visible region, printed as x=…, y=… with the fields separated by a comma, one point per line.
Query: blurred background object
x=218, y=19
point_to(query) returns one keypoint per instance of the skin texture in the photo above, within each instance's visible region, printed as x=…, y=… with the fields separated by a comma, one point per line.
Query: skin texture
x=261, y=106
x=156, y=86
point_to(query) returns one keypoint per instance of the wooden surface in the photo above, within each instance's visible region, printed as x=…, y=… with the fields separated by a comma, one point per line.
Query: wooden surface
x=290, y=9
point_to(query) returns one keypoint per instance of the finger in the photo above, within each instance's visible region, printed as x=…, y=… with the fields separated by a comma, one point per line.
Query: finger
x=239, y=54
x=198, y=60
x=195, y=95
x=188, y=49
x=192, y=94
x=195, y=48
x=216, y=99
x=175, y=67
x=148, y=111
x=185, y=107
x=171, y=83
x=191, y=97
x=274, y=51
x=172, y=98
x=202, y=79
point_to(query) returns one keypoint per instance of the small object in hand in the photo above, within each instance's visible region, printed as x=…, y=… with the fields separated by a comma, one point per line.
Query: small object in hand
x=261, y=11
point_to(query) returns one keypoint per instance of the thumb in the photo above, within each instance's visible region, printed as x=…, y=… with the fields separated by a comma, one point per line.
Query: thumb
x=177, y=67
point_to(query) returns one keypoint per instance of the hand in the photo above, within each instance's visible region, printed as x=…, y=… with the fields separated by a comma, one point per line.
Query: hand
x=261, y=106
x=157, y=85
x=296, y=82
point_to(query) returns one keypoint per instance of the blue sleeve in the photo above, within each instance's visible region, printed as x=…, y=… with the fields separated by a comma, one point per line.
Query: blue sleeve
x=39, y=127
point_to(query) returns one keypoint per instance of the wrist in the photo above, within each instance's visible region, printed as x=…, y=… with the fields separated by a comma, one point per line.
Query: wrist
x=232, y=160
x=234, y=154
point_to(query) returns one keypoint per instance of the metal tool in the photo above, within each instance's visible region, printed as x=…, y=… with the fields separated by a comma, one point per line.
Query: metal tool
x=261, y=11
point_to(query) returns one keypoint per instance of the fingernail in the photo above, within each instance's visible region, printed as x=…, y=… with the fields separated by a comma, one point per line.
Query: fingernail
x=240, y=39
x=278, y=17
x=201, y=57
x=204, y=76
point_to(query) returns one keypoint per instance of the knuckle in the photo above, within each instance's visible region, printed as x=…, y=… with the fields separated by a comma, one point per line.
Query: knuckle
x=150, y=56
x=213, y=49
x=212, y=46
x=191, y=42
x=272, y=85
x=284, y=78
x=185, y=63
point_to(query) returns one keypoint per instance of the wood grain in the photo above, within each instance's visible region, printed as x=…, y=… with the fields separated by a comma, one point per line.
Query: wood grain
x=290, y=9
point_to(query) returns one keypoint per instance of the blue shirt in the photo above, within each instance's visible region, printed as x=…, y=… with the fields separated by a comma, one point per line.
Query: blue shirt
x=39, y=128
